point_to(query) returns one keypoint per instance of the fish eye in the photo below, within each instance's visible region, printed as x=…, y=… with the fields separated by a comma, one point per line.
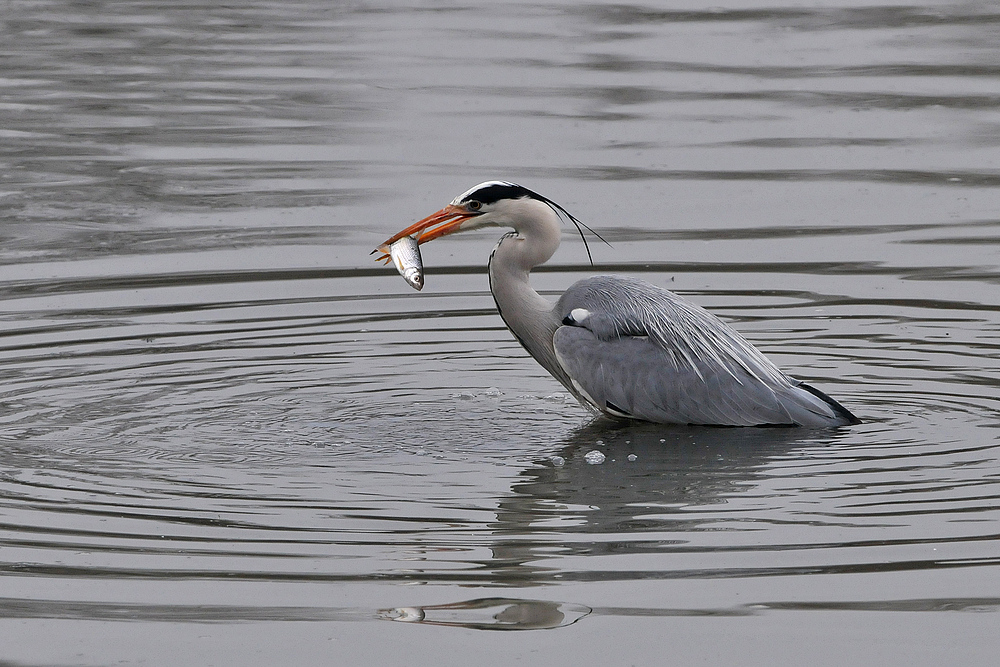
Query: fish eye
x=474, y=205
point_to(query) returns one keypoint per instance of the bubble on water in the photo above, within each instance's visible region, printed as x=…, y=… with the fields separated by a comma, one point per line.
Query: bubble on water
x=493, y=392
x=558, y=461
x=594, y=457
x=632, y=457
x=599, y=443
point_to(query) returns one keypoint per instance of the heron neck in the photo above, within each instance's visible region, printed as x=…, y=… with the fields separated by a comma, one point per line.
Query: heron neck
x=529, y=316
x=510, y=283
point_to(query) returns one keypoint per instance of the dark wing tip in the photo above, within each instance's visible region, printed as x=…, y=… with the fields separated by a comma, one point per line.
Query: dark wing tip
x=839, y=409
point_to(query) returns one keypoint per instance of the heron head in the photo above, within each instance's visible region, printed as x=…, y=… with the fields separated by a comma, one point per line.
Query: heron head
x=486, y=204
x=493, y=203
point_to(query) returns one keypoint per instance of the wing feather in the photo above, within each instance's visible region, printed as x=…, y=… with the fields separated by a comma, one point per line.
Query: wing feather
x=644, y=351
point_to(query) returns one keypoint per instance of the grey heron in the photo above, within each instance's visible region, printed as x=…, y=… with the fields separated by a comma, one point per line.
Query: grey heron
x=624, y=347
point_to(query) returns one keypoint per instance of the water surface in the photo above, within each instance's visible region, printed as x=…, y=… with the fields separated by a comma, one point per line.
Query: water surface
x=229, y=437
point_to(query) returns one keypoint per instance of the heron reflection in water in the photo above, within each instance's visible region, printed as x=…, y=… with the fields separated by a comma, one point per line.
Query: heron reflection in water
x=622, y=346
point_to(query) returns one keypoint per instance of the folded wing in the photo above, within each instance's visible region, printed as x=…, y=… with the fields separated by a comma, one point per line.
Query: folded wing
x=636, y=350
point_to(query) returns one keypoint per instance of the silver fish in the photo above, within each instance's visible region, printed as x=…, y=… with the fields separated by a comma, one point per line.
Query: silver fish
x=405, y=255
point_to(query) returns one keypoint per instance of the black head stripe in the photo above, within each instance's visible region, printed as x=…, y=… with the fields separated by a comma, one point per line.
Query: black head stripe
x=494, y=191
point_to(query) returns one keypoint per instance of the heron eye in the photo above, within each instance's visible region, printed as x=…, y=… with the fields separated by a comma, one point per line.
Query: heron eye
x=475, y=205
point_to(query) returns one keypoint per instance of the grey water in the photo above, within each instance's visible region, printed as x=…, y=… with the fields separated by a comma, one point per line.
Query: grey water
x=229, y=437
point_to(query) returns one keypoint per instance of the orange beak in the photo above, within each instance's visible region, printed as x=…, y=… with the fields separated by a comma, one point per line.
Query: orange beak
x=448, y=220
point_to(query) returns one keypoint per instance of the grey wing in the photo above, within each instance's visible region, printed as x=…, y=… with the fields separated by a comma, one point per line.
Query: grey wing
x=635, y=350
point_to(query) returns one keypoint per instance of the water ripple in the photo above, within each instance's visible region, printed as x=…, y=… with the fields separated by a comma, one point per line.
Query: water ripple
x=212, y=396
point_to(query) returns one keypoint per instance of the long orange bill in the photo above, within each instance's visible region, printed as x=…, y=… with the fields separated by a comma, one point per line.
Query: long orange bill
x=449, y=219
